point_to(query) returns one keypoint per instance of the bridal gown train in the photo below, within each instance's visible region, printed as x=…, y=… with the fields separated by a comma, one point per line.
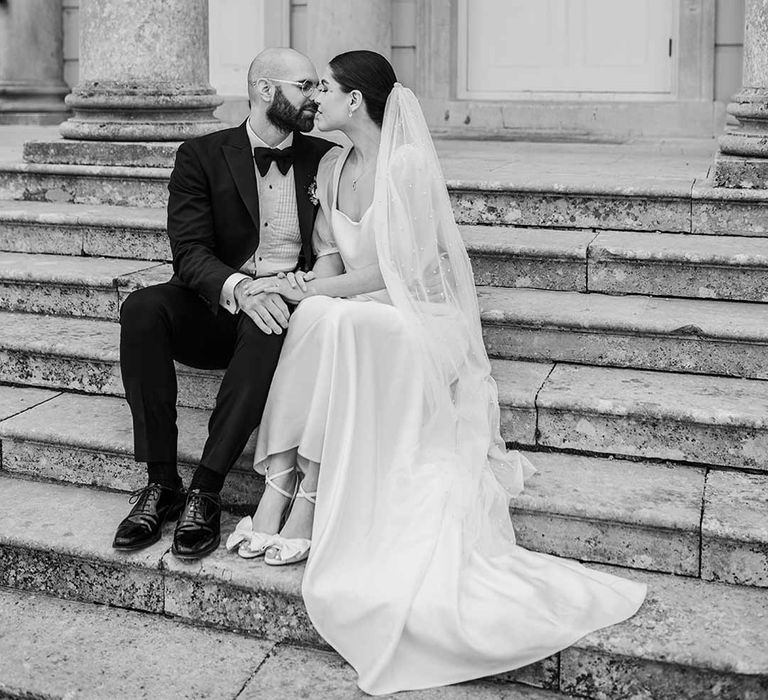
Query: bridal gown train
x=393, y=582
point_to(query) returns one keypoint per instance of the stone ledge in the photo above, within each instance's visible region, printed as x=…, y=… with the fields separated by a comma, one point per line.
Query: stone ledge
x=144, y=154
x=647, y=515
x=740, y=172
x=473, y=203
x=88, y=440
x=723, y=210
x=688, y=629
x=55, y=648
x=692, y=266
x=226, y=665
x=735, y=529
x=660, y=415
x=16, y=400
x=702, y=336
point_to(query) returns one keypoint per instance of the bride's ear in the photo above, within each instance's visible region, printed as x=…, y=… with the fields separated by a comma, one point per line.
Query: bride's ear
x=355, y=101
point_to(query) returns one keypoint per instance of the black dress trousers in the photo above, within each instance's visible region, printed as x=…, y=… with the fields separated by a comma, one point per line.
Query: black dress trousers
x=168, y=322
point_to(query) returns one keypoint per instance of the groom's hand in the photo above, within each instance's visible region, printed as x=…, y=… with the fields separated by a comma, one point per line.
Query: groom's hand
x=267, y=310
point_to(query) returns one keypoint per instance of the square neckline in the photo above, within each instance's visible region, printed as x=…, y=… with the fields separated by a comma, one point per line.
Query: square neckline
x=336, y=179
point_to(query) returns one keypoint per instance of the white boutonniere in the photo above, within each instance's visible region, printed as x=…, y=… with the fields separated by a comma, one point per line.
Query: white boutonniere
x=312, y=192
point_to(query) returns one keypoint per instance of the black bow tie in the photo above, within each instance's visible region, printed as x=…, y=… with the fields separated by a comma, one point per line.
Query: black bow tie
x=265, y=156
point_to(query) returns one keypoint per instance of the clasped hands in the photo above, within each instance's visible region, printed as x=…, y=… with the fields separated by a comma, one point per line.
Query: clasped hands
x=264, y=299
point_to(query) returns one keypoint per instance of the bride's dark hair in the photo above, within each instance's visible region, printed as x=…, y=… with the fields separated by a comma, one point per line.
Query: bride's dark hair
x=370, y=73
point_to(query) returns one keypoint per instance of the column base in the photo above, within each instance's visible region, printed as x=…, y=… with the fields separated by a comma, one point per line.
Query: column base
x=750, y=138
x=740, y=172
x=121, y=112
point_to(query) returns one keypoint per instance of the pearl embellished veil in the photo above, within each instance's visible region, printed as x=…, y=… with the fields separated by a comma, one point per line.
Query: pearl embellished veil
x=429, y=279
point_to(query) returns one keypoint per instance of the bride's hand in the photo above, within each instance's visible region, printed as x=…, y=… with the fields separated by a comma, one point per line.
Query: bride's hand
x=262, y=284
x=293, y=293
x=297, y=279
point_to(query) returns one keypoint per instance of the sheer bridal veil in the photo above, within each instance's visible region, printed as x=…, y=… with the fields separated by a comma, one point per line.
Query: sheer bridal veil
x=429, y=279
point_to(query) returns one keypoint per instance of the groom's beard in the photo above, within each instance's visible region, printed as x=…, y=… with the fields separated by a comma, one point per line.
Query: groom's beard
x=283, y=115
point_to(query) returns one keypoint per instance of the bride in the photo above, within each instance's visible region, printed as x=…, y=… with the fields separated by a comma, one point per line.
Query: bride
x=381, y=439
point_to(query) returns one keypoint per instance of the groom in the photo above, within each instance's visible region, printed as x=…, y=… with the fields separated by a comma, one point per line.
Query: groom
x=239, y=208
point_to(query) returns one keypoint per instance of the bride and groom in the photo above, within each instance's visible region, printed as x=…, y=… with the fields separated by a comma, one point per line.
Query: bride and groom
x=379, y=426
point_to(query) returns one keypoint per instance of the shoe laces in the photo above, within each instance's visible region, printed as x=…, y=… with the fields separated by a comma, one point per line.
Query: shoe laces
x=145, y=497
x=196, y=502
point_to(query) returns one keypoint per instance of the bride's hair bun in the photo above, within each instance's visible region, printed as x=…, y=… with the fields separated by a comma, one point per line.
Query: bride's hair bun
x=370, y=73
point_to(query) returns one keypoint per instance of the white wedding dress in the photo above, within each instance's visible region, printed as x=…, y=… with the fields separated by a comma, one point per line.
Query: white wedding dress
x=413, y=576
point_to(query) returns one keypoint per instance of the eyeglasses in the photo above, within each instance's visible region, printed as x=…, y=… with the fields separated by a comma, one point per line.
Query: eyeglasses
x=308, y=87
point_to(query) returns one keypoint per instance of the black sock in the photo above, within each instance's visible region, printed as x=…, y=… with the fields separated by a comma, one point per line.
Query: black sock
x=163, y=473
x=207, y=480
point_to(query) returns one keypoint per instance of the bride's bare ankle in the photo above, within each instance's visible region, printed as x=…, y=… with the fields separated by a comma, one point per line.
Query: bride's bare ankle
x=299, y=523
x=272, y=506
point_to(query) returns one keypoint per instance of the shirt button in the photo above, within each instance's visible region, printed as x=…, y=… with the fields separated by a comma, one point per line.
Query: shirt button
x=266, y=223
x=270, y=187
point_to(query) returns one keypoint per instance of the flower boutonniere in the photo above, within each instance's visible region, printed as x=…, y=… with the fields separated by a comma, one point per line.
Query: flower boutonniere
x=312, y=192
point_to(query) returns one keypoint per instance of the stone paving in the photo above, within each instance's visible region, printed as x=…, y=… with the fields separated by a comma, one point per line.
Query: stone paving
x=54, y=648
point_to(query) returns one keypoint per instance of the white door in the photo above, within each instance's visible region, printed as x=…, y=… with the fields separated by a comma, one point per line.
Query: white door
x=565, y=48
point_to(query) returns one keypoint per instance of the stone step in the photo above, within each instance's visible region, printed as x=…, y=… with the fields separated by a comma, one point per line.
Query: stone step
x=640, y=514
x=505, y=256
x=170, y=658
x=616, y=262
x=88, y=439
x=691, y=638
x=688, y=335
x=502, y=256
x=82, y=229
x=674, y=207
x=703, y=336
x=664, y=264
x=78, y=354
x=694, y=418
x=73, y=286
x=655, y=415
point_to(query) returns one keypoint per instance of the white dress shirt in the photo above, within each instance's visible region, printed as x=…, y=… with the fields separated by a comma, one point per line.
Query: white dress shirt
x=279, y=235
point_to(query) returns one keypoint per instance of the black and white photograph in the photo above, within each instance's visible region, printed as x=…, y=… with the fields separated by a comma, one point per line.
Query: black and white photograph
x=384, y=348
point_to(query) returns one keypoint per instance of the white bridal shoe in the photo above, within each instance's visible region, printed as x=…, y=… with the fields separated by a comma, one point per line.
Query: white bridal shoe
x=250, y=544
x=290, y=550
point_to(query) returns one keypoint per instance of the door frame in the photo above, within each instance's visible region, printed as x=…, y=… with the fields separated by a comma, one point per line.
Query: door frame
x=438, y=55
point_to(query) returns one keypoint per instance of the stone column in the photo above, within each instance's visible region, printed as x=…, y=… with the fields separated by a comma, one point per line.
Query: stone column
x=143, y=72
x=335, y=26
x=743, y=157
x=32, y=87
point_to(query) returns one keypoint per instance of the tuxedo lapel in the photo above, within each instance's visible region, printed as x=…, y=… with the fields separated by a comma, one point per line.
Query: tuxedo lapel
x=239, y=159
x=304, y=170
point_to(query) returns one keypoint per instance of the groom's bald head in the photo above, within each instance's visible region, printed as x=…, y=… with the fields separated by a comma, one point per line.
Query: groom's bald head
x=278, y=104
x=281, y=63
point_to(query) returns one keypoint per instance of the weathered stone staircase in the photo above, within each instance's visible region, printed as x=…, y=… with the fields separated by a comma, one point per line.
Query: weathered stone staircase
x=629, y=330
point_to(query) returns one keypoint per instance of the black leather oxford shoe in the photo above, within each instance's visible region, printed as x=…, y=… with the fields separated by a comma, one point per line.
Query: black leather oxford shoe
x=199, y=529
x=155, y=504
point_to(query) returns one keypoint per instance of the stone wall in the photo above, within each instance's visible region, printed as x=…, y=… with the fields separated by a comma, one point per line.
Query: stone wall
x=729, y=30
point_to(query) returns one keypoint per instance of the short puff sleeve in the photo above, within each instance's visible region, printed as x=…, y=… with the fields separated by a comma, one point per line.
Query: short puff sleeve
x=323, y=242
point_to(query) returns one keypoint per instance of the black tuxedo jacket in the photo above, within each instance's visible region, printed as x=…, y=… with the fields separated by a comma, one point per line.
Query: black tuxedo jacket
x=213, y=207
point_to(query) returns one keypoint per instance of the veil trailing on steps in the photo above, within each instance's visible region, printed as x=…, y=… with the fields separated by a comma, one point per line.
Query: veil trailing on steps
x=429, y=279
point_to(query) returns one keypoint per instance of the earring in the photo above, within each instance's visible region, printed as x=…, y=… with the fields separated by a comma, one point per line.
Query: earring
x=350, y=113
